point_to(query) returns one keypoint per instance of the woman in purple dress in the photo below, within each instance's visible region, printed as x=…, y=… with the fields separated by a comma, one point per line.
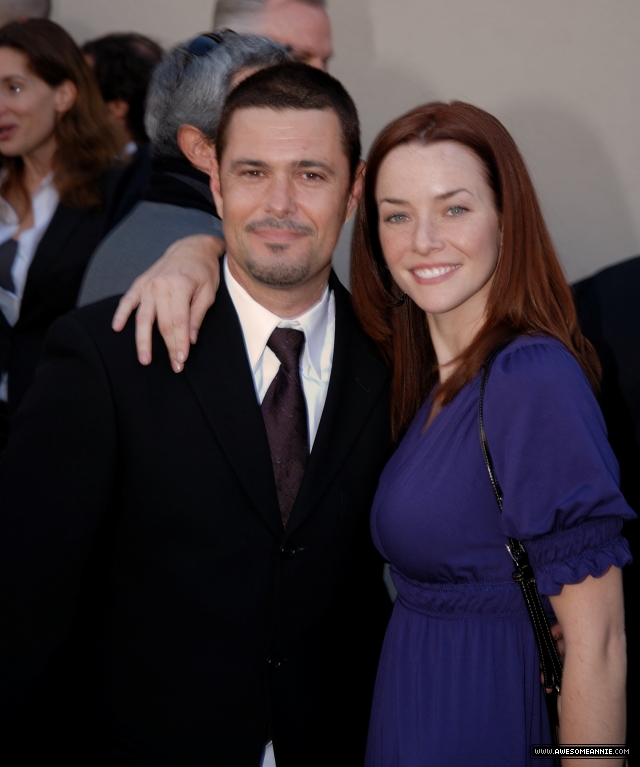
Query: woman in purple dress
x=450, y=228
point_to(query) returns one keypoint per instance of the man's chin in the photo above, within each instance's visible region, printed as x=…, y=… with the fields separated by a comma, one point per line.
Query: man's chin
x=280, y=275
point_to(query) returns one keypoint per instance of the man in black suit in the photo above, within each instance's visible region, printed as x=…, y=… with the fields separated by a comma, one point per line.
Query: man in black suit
x=203, y=584
x=608, y=305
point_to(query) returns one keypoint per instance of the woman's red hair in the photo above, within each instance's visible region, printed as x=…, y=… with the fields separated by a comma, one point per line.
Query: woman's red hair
x=529, y=292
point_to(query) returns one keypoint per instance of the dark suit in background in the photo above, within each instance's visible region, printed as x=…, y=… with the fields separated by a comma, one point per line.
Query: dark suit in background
x=143, y=553
x=52, y=286
x=608, y=306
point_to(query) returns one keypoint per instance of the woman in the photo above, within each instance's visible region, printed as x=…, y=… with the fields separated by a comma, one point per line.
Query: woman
x=451, y=259
x=450, y=228
x=56, y=150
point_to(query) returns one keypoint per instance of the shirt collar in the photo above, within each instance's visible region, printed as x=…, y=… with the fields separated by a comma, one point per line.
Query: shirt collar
x=258, y=323
x=9, y=217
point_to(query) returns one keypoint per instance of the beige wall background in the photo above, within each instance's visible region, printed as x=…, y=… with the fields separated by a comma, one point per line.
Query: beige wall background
x=562, y=75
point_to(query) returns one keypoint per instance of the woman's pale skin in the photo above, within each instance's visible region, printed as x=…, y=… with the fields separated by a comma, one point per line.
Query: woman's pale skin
x=440, y=234
x=29, y=110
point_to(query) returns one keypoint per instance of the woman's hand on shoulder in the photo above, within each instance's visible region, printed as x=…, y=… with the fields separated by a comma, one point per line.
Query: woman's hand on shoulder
x=177, y=290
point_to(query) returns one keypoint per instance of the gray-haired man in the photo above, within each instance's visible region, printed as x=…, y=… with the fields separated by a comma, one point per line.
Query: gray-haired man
x=184, y=104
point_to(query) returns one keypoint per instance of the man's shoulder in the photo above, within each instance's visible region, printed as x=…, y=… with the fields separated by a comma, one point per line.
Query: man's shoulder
x=94, y=321
x=137, y=243
x=346, y=319
x=623, y=276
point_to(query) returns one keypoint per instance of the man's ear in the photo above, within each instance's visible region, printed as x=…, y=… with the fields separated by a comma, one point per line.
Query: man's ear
x=65, y=96
x=215, y=186
x=355, y=193
x=195, y=146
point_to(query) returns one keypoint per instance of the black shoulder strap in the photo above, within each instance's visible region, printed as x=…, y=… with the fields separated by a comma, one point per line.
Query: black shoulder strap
x=523, y=572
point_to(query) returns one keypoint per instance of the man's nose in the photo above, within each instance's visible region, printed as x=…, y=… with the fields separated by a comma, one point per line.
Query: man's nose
x=281, y=200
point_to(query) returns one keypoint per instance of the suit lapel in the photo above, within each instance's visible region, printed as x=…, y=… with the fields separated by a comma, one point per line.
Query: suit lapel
x=52, y=246
x=219, y=373
x=358, y=378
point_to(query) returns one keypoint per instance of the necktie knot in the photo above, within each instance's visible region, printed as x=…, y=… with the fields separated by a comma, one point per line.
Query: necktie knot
x=287, y=345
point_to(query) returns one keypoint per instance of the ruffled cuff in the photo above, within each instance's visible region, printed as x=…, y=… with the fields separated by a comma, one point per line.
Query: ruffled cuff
x=569, y=556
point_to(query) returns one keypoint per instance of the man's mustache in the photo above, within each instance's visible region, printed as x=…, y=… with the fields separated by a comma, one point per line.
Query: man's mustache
x=285, y=224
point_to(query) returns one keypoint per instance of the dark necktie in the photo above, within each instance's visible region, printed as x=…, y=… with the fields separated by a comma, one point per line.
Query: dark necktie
x=284, y=410
x=8, y=252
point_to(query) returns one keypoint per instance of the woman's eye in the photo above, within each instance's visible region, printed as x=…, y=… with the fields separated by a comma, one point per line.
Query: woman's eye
x=456, y=210
x=397, y=218
x=15, y=88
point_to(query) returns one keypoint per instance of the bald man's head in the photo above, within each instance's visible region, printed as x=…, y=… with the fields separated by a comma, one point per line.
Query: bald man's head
x=15, y=10
x=302, y=25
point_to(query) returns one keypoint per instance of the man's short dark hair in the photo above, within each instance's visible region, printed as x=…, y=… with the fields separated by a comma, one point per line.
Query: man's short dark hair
x=123, y=64
x=292, y=85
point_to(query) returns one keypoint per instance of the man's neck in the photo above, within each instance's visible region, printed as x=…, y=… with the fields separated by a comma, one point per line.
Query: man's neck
x=286, y=302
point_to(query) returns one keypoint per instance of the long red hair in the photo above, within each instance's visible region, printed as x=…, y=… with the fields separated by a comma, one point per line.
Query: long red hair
x=529, y=292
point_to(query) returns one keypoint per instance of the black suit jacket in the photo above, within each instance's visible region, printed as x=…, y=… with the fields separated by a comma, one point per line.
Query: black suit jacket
x=608, y=306
x=142, y=545
x=52, y=287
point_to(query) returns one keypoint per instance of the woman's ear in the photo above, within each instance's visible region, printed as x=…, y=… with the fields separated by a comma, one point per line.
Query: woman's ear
x=65, y=97
x=196, y=147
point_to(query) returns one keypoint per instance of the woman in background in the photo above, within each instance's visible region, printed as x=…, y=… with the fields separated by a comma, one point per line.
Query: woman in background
x=451, y=259
x=57, y=148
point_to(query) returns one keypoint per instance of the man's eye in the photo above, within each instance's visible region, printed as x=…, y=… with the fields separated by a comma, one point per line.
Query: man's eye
x=310, y=176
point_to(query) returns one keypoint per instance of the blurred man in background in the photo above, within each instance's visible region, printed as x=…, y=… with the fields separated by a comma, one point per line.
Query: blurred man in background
x=18, y=10
x=609, y=312
x=302, y=25
x=123, y=64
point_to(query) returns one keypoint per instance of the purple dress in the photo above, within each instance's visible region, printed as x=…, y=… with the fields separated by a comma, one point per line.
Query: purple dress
x=459, y=678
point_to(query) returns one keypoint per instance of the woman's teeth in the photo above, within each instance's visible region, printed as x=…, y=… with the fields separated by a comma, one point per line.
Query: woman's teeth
x=436, y=271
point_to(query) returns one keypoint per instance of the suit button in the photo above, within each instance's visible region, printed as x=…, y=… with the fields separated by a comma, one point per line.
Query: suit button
x=274, y=661
x=288, y=551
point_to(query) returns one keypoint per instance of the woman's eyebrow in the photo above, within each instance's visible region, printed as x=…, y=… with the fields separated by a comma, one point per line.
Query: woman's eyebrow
x=446, y=195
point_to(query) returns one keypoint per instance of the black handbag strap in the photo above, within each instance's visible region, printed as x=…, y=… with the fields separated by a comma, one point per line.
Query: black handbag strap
x=523, y=572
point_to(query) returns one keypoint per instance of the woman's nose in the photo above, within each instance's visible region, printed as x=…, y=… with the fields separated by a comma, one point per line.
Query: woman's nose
x=427, y=237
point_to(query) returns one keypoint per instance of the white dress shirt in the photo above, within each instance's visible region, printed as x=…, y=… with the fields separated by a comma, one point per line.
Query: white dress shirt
x=318, y=325
x=44, y=203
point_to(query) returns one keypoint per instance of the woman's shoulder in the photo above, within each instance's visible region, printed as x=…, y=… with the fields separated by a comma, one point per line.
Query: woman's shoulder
x=539, y=360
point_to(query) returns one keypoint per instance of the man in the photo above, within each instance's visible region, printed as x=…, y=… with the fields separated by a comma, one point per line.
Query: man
x=18, y=10
x=213, y=581
x=302, y=25
x=123, y=64
x=609, y=312
x=184, y=104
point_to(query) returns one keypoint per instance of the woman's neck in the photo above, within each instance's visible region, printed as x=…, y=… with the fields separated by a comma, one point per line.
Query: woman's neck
x=38, y=164
x=453, y=332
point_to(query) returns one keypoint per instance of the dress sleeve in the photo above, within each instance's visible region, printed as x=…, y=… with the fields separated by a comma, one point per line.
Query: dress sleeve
x=558, y=474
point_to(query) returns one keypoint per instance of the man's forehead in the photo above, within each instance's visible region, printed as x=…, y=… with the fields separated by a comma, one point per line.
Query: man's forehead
x=267, y=129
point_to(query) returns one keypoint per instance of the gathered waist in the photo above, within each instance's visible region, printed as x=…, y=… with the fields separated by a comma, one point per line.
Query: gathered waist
x=502, y=600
